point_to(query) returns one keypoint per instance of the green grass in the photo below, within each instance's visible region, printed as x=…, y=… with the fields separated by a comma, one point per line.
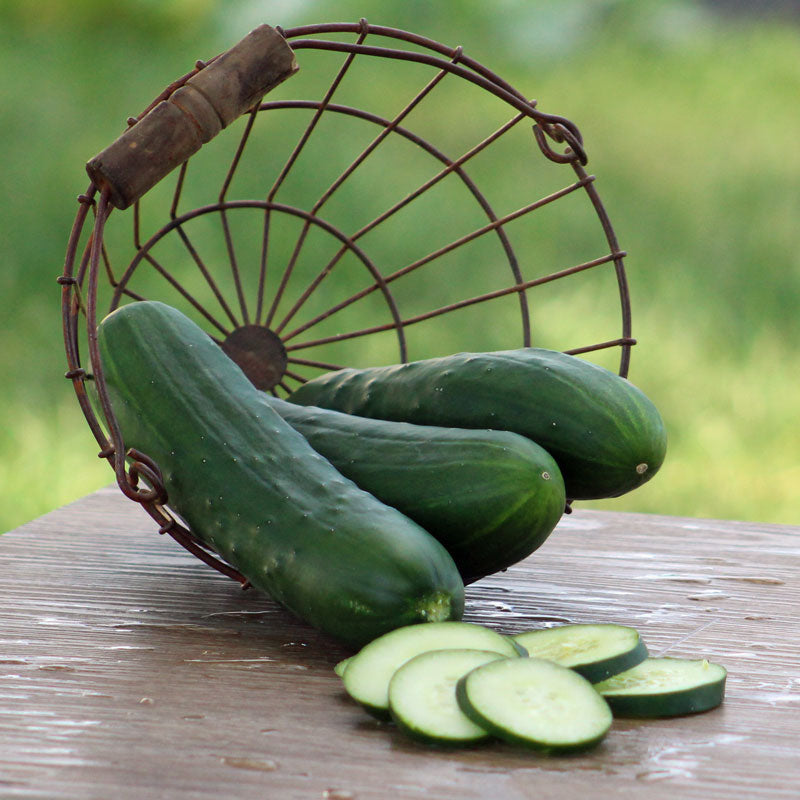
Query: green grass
x=690, y=124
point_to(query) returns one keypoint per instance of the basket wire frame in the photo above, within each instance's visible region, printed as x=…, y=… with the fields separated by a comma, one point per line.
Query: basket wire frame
x=558, y=139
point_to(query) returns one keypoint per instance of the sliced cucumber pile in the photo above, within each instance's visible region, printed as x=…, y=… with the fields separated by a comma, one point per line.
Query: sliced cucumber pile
x=665, y=687
x=555, y=690
x=595, y=651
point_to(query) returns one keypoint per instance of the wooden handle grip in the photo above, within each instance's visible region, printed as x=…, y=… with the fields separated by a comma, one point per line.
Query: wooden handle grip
x=177, y=127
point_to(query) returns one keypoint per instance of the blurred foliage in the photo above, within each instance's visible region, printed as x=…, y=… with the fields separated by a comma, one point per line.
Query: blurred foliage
x=689, y=119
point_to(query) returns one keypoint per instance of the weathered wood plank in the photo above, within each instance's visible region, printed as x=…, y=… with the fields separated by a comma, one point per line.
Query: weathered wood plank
x=130, y=670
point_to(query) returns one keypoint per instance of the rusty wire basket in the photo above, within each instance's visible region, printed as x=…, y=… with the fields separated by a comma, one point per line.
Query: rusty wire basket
x=339, y=224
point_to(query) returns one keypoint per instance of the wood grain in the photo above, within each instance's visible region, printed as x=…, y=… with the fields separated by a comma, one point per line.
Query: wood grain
x=128, y=669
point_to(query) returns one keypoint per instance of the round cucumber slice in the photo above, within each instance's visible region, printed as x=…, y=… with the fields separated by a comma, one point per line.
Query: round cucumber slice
x=596, y=651
x=369, y=671
x=422, y=696
x=536, y=703
x=665, y=687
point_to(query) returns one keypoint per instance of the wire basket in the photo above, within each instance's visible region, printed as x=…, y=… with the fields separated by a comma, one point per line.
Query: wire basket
x=390, y=200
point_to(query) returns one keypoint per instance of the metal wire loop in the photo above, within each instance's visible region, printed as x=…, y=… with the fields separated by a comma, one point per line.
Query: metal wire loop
x=142, y=466
x=559, y=132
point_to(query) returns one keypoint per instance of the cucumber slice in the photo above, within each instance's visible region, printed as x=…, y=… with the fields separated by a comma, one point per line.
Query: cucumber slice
x=536, y=703
x=422, y=696
x=341, y=666
x=665, y=687
x=369, y=671
x=596, y=651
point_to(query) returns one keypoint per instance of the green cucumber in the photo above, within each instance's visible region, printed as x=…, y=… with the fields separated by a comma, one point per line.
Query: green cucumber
x=253, y=490
x=370, y=670
x=665, y=687
x=535, y=703
x=606, y=436
x=595, y=651
x=490, y=497
x=422, y=696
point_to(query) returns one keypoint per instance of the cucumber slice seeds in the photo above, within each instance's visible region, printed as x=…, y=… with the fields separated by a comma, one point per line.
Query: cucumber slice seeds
x=422, y=696
x=665, y=687
x=596, y=651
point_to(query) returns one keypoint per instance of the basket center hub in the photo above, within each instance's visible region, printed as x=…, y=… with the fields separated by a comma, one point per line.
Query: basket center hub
x=260, y=354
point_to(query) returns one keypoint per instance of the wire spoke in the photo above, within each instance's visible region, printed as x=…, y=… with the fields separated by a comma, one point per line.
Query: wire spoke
x=251, y=118
x=133, y=295
x=493, y=225
x=206, y=274
x=520, y=287
x=340, y=337
x=192, y=250
x=262, y=268
x=293, y=158
x=373, y=145
x=294, y=376
x=142, y=252
x=183, y=292
x=173, y=211
x=237, y=279
x=450, y=167
x=313, y=123
x=107, y=265
x=623, y=341
x=318, y=364
x=350, y=169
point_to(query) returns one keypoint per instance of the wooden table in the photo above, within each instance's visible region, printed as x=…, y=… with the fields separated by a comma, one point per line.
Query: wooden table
x=129, y=669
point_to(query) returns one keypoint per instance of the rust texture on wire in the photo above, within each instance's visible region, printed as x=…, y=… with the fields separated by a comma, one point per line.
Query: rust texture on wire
x=295, y=322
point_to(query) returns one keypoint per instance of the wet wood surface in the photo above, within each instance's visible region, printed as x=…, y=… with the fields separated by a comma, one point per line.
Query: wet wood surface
x=128, y=669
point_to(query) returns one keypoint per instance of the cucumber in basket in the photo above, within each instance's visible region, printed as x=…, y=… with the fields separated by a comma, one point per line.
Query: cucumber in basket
x=605, y=434
x=490, y=497
x=253, y=490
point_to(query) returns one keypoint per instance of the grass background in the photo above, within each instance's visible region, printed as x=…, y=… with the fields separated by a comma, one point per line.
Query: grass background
x=689, y=113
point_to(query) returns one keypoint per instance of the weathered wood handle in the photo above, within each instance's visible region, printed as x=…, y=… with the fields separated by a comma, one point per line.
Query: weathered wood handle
x=178, y=126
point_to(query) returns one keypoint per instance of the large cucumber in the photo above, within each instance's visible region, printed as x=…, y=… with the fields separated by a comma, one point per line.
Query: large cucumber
x=605, y=434
x=252, y=488
x=490, y=497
